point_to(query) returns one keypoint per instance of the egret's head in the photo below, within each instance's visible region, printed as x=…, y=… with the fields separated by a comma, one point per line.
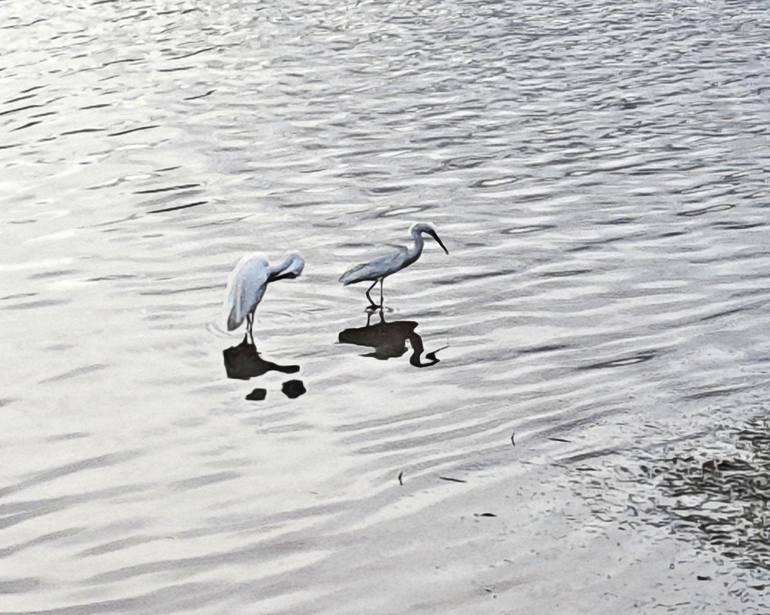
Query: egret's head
x=428, y=229
x=291, y=267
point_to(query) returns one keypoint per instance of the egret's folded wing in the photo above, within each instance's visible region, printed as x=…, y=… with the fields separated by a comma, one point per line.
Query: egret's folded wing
x=354, y=274
x=374, y=269
x=245, y=289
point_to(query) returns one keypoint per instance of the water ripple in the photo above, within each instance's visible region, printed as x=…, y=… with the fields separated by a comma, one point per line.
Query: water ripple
x=598, y=171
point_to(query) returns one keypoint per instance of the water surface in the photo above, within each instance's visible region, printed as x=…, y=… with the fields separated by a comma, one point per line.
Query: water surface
x=598, y=171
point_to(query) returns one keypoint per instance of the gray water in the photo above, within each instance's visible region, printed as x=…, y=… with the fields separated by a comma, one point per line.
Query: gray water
x=599, y=173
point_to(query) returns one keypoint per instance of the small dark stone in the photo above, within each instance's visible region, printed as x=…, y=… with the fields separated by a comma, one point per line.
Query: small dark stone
x=257, y=395
x=293, y=388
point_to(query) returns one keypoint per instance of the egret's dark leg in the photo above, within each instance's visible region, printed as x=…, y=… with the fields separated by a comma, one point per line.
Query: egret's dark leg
x=381, y=279
x=368, y=296
x=250, y=326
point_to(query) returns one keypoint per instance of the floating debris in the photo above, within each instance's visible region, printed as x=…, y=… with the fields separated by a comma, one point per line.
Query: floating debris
x=257, y=395
x=293, y=388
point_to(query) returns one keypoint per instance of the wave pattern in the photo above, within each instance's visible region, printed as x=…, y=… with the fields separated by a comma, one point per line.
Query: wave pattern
x=598, y=171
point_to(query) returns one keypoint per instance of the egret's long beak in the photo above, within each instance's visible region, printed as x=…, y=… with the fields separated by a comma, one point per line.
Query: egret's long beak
x=435, y=236
x=284, y=276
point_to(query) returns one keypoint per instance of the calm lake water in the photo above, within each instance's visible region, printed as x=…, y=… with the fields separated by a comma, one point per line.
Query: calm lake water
x=599, y=173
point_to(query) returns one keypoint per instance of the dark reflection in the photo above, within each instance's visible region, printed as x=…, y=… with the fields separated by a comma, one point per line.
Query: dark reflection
x=389, y=340
x=723, y=500
x=243, y=362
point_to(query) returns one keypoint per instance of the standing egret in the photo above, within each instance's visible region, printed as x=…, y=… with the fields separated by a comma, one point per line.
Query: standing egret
x=378, y=269
x=247, y=284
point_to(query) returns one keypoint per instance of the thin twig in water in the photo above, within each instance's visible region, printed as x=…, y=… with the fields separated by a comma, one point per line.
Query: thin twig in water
x=400, y=477
x=453, y=480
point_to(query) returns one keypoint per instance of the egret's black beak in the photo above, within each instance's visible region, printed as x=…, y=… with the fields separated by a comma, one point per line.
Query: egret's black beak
x=283, y=276
x=435, y=236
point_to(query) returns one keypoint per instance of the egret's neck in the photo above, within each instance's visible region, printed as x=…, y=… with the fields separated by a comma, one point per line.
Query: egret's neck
x=280, y=267
x=416, y=249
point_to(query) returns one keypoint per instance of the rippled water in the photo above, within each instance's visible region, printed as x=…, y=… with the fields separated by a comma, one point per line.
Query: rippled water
x=599, y=173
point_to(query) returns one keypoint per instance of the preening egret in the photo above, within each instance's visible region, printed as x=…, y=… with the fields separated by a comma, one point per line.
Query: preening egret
x=378, y=269
x=247, y=284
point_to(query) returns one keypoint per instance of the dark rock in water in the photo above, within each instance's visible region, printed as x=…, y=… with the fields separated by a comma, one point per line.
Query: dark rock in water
x=293, y=388
x=257, y=395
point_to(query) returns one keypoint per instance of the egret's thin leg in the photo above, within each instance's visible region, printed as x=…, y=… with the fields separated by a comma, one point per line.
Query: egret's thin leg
x=368, y=296
x=250, y=325
x=381, y=279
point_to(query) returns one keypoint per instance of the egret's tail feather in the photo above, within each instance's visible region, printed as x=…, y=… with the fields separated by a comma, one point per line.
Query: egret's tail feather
x=233, y=322
x=353, y=275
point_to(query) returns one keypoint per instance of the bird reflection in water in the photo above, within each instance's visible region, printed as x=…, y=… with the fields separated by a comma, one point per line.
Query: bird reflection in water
x=389, y=340
x=243, y=362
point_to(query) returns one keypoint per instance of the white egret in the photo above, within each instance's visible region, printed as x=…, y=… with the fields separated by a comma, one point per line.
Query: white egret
x=378, y=269
x=247, y=284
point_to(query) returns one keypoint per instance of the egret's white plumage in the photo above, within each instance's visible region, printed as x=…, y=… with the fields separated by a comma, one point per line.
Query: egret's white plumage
x=248, y=281
x=376, y=270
